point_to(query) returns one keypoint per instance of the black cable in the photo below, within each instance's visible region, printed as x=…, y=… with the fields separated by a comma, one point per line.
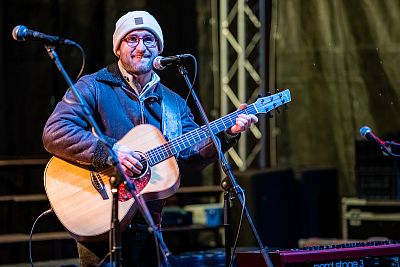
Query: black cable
x=83, y=61
x=194, y=78
x=387, y=148
x=239, y=228
x=80, y=71
x=30, y=235
x=104, y=259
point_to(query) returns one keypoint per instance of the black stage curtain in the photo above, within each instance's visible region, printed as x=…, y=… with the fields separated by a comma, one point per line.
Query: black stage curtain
x=340, y=58
x=30, y=83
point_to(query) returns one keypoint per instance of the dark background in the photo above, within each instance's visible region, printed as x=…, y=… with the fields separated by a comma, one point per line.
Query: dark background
x=30, y=83
x=339, y=58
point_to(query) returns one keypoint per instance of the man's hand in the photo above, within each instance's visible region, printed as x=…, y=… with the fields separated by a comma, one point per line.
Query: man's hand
x=130, y=160
x=243, y=122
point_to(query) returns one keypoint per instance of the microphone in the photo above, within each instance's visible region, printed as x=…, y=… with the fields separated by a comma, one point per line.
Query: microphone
x=367, y=134
x=22, y=33
x=160, y=62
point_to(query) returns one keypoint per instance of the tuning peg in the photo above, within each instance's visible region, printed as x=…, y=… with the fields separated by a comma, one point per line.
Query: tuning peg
x=285, y=106
x=276, y=108
x=270, y=115
x=276, y=90
x=268, y=93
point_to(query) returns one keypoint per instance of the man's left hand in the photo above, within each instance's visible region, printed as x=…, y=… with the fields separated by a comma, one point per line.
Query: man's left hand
x=243, y=122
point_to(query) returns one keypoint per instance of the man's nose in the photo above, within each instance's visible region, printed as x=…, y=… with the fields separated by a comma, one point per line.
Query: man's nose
x=140, y=46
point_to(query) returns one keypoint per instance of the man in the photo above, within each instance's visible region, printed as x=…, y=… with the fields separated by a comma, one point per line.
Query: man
x=122, y=96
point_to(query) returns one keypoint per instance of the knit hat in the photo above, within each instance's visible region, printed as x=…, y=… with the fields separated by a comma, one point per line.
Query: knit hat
x=136, y=20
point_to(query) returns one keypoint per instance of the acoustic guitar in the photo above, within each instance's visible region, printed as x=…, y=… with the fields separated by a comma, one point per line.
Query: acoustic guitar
x=80, y=195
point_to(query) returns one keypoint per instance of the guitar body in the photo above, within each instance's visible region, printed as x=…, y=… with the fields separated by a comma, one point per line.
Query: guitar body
x=84, y=210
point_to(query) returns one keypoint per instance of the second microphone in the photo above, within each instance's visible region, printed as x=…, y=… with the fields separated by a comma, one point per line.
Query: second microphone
x=160, y=62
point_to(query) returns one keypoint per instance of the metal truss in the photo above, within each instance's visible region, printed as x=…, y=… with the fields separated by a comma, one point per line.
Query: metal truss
x=242, y=72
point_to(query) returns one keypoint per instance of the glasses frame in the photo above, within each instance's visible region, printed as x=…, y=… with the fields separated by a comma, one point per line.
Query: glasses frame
x=138, y=39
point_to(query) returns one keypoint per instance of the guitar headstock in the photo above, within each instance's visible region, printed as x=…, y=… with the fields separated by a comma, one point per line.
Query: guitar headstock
x=268, y=103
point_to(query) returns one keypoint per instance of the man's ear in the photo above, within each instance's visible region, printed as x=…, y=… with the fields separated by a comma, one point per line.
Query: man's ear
x=118, y=53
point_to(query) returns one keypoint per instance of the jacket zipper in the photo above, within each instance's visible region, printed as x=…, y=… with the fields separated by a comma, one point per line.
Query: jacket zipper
x=141, y=104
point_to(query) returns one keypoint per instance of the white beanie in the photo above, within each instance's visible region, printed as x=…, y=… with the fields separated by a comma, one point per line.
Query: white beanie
x=136, y=20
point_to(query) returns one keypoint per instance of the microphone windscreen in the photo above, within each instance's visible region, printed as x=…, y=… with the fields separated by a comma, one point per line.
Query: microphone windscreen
x=157, y=63
x=17, y=33
x=364, y=130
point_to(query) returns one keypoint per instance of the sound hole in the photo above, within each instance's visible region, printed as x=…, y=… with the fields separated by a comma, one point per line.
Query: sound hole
x=140, y=180
x=145, y=164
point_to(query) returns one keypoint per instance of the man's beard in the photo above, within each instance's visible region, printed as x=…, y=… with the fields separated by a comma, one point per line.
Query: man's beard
x=139, y=69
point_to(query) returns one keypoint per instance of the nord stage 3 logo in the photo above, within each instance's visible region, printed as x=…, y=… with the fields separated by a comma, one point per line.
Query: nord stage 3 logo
x=360, y=262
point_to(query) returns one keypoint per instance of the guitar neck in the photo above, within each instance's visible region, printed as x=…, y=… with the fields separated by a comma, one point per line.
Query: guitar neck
x=173, y=147
x=191, y=138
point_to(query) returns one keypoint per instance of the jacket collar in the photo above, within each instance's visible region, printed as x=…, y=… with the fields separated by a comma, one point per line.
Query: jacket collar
x=110, y=74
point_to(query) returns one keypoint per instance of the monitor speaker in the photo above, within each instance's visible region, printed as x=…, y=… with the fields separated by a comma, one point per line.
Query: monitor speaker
x=272, y=200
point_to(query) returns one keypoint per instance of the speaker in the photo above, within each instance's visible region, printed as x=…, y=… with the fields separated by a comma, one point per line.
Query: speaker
x=319, y=198
x=377, y=175
x=272, y=200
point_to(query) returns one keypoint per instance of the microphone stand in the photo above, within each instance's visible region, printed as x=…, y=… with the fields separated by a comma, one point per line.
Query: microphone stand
x=226, y=168
x=226, y=186
x=115, y=181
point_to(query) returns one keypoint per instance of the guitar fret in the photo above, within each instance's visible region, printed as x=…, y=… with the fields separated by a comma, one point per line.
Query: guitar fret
x=163, y=152
x=187, y=141
x=157, y=154
x=197, y=136
x=160, y=152
x=224, y=125
x=169, y=149
x=180, y=143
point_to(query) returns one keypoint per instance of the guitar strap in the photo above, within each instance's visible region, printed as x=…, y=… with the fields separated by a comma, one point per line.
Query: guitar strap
x=171, y=118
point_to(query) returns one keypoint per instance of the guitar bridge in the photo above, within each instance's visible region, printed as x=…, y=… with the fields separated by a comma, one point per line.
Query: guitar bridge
x=98, y=183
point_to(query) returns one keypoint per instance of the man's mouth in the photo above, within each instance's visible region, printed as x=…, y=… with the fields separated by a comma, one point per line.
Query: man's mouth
x=140, y=56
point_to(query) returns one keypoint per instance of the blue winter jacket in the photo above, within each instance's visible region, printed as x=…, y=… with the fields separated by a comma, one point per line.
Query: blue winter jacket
x=117, y=109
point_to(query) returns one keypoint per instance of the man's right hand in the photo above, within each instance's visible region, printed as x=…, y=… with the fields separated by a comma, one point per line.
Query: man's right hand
x=130, y=160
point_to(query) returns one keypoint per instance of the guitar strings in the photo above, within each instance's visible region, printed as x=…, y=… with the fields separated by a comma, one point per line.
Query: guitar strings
x=166, y=150
x=160, y=153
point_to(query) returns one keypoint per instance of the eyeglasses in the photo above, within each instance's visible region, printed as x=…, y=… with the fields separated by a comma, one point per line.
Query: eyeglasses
x=148, y=40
